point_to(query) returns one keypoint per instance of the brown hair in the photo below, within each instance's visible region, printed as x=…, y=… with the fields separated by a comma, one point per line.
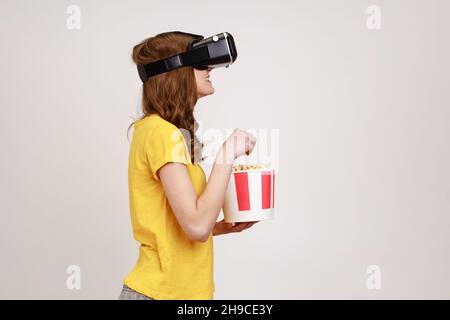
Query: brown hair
x=171, y=95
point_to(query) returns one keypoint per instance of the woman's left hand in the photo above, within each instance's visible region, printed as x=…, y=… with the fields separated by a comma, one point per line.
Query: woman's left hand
x=222, y=227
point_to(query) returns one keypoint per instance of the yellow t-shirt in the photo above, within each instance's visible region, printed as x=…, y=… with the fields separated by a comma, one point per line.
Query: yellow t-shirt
x=170, y=265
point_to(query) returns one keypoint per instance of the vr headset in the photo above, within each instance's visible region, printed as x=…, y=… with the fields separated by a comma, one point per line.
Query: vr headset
x=213, y=52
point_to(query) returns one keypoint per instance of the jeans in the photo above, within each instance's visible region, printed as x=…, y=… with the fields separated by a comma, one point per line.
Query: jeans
x=129, y=294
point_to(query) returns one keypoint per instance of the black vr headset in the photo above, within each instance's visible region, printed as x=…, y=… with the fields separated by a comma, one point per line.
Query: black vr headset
x=213, y=52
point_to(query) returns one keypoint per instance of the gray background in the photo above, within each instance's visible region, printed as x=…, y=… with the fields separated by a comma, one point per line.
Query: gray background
x=363, y=120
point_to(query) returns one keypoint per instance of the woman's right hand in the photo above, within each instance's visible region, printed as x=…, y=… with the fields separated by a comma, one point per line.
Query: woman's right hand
x=240, y=142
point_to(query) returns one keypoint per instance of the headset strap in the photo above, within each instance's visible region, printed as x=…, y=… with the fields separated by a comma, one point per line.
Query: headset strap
x=180, y=60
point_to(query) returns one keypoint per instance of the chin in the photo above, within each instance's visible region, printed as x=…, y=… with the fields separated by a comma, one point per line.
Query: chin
x=206, y=91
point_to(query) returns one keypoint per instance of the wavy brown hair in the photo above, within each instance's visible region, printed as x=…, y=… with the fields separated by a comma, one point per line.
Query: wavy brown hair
x=171, y=95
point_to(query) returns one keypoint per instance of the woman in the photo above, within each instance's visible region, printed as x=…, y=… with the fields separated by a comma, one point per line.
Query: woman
x=173, y=209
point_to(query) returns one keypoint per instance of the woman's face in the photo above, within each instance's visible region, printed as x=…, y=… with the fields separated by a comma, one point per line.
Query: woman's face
x=204, y=85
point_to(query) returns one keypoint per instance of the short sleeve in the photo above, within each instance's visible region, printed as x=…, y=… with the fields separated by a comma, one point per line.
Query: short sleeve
x=165, y=144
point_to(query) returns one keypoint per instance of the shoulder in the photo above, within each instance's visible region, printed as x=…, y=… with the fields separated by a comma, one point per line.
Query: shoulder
x=154, y=125
x=162, y=133
x=164, y=142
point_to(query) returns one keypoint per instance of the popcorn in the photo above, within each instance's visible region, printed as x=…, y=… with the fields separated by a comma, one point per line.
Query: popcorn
x=242, y=167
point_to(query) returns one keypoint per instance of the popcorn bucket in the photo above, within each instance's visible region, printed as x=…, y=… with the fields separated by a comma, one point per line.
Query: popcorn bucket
x=250, y=196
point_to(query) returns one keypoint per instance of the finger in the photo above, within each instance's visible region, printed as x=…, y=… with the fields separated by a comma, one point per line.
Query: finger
x=241, y=226
x=230, y=225
x=249, y=225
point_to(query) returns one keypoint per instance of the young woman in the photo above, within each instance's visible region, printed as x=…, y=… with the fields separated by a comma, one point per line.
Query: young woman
x=174, y=210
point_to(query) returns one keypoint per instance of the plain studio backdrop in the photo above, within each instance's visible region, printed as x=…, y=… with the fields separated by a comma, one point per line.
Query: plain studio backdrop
x=362, y=114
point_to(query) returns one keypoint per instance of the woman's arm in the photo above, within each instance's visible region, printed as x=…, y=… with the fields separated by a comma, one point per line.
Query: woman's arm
x=198, y=216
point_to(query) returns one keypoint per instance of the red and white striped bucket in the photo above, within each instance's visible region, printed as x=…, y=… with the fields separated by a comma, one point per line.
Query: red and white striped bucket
x=250, y=196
